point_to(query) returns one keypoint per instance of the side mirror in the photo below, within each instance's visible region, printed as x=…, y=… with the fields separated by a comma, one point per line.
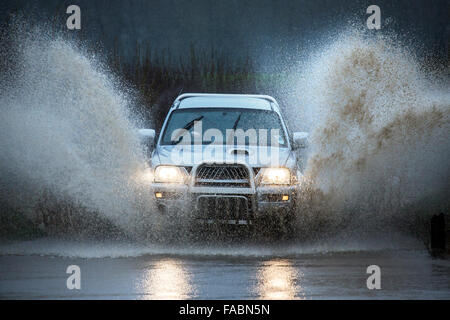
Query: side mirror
x=147, y=137
x=300, y=139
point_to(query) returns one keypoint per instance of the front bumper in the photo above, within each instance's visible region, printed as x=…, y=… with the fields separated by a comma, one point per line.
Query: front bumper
x=259, y=201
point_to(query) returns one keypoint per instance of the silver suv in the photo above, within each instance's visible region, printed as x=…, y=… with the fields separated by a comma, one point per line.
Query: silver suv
x=226, y=159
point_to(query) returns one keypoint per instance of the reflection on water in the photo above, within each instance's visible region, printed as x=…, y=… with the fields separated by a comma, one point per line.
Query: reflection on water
x=170, y=279
x=167, y=279
x=279, y=280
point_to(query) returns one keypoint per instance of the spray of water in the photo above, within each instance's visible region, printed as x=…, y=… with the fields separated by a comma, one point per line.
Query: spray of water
x=378, y=157
x=67, y=136
x=380, y=143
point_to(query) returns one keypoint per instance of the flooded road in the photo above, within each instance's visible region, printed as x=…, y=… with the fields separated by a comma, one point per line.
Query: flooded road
x=405, y=274
x=72, y=165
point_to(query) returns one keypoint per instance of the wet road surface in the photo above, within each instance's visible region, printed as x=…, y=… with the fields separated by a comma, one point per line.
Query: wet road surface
x=405, y=274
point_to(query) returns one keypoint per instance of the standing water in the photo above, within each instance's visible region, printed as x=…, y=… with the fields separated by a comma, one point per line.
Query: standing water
x=70, y=159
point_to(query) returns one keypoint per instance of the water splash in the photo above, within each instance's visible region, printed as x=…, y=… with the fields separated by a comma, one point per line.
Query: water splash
x=380, y=136
x=378, y=158
x=66, y=131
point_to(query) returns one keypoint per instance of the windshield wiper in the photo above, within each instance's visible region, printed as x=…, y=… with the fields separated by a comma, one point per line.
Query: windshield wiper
x=237, y=121
x=188, y=126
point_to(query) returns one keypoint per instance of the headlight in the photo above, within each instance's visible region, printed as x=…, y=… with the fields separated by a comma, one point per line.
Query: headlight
x=170, y=174
x=275, y=176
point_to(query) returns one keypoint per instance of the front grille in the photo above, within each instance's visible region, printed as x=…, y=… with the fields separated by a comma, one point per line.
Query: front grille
x=222, y=176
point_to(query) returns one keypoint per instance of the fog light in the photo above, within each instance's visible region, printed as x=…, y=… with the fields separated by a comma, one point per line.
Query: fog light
x=285, y=198
x=158, y=194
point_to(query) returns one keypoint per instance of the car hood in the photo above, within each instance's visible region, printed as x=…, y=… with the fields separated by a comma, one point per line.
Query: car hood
x=193, y=155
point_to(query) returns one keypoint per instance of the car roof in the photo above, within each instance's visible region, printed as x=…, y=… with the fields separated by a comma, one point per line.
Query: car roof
x=204, y=100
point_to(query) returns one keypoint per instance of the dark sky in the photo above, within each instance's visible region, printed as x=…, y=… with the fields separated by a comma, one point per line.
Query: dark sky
x=238, y=27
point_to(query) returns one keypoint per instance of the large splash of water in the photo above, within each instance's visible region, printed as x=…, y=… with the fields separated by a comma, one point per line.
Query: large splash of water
x=379, y=147
x=67, y=136
x=380, y=129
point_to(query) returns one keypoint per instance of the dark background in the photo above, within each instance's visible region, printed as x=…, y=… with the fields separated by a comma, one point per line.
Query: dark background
x=237, y=27
x=164, y=46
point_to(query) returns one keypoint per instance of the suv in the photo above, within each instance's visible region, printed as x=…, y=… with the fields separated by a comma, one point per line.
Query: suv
x=226, y=159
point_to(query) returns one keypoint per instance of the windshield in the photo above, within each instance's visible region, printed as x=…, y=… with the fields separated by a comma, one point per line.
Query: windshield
x=224, y=126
